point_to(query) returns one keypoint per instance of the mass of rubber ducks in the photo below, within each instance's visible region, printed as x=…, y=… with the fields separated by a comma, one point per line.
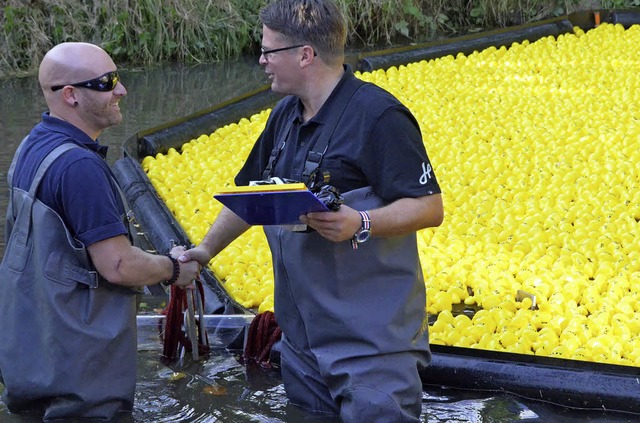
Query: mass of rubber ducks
x=535, y=146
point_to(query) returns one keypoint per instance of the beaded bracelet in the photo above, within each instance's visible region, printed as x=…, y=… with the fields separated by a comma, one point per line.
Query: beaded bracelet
x=176, y=271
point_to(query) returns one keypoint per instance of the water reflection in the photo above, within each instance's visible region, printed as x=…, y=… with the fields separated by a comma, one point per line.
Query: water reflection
x=183, y=394
x=254, y=395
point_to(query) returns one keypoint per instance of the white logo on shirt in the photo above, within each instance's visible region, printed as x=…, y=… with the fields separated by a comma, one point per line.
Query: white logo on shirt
x=426, y=173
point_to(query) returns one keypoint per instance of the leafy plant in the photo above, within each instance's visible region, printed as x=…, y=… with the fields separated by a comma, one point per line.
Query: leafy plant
x=152, y=31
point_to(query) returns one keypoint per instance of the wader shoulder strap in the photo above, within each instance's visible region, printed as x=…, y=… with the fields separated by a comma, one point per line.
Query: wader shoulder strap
x=23, y=221
x=51, y=157
x=128, y=217
x=14, y=161
x=275, y=153
x=320, y=148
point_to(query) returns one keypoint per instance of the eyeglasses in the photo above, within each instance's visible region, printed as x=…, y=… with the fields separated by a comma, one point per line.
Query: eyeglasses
x=106, y=82
x=275, y=50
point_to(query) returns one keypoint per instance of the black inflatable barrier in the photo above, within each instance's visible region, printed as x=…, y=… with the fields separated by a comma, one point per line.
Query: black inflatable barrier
x=501, y=37
x=625, y=18
x=175, y=133
x=161, y=229
x=567, y=383
x=142, y=196
x=466, y=44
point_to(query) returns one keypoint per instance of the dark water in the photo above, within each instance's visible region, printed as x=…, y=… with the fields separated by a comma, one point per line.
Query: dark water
x=220, y=389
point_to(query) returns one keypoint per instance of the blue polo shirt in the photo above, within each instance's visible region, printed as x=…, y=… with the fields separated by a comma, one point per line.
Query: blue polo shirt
x=377, y=142
x=79, y=186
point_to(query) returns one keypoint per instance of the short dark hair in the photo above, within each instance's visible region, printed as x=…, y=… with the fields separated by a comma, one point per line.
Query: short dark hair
x=319, y=23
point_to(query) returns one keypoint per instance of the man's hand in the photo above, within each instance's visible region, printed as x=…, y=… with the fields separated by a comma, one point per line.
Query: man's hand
x=335, y=226
x=401, y=217
x=189, y=270
x=198, y=254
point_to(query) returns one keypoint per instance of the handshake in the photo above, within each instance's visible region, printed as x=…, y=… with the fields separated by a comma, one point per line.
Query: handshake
x=187, y=265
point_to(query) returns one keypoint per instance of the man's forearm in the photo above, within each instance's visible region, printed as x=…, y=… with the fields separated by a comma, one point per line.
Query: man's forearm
x=226, y=228
x=407, y=215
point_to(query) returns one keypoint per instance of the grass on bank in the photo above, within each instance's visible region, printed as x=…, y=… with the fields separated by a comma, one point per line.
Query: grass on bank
x=153, y=31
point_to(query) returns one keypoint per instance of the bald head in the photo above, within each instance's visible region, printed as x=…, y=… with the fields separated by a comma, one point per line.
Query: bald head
x=67, y=63
x=90, y=110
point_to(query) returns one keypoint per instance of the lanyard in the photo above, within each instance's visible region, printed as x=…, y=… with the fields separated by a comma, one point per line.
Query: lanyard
x=314, y=157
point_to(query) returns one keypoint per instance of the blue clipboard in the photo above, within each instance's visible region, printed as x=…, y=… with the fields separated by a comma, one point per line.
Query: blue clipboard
x=277, y=207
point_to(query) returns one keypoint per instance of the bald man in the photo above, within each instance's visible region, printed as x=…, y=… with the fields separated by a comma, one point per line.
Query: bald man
x=70, y=274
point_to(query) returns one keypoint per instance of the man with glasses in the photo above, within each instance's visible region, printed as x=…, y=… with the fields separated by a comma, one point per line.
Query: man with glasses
x=349, y=295
x=70, y=275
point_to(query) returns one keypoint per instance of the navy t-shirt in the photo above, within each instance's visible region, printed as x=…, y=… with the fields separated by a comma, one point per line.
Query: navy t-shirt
x=79, y=185
x=377, y=142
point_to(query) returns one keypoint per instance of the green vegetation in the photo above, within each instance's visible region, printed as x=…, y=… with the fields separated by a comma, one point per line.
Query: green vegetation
x=153, y=31
x=141, y=32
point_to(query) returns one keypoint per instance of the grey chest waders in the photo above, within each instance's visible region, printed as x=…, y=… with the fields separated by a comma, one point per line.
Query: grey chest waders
x=67, y=337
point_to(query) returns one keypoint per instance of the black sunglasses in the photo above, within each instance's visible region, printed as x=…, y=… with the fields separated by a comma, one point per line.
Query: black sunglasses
x=106, y=82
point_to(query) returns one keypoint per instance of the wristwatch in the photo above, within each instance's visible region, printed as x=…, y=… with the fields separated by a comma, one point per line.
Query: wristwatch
x=364, y=233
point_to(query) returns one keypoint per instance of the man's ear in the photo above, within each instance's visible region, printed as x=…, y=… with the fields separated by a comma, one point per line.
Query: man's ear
x=308, y=55
x=69, y=96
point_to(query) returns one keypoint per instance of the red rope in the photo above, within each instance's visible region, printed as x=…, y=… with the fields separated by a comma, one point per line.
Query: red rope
x=263, y=333
x=173, y=332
